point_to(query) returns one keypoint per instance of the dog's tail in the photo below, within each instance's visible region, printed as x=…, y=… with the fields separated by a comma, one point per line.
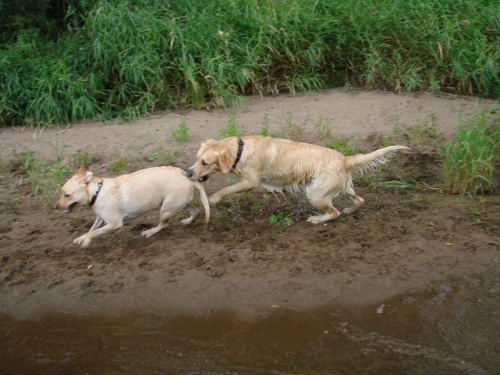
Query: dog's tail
x=204, y=201
x=366, y=163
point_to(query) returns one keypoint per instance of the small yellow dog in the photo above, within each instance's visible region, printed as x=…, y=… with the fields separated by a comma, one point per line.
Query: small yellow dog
x=128, y=196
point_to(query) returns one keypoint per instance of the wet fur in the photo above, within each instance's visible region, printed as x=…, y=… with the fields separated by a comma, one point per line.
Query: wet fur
x=278, y=164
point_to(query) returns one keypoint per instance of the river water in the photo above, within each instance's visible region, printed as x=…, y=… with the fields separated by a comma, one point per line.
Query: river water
x=452, y=327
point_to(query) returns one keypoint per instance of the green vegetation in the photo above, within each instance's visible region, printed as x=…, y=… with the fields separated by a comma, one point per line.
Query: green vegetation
x=323, y=127
x=181, y=134
x=345, y=147
x=119, y=165
x=264, y=127
x=281, y=219
x=232, y=129
x=471, y=159
x=293, y=129
x=69, y=60
x=425, y=131
x=45, y=177
x=163, y=157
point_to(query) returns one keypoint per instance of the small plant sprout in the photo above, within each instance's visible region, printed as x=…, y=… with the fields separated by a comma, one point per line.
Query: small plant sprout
x=120, y=164
x=232, y=129
x=425, y=131
x=163, y=157
x=281, y=219
x=264, y=126
x=181, y=134
x=293, y=129
x=323, y=127
x=344, y=146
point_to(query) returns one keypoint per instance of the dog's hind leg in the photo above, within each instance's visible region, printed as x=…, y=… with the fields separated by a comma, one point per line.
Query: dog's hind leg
x=355, y=199
x=322, y=201
x=194, y=213
x=168, y=208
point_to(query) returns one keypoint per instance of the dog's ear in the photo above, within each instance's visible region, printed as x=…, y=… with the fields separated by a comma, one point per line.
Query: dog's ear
x=82, y=171
x=85, y=174
x=208, y=141
x=88, y=177
x=225, y=162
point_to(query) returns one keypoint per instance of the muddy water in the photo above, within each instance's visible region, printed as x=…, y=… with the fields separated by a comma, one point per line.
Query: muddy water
x=451, y=328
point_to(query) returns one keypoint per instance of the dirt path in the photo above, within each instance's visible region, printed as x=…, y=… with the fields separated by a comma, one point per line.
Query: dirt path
x=402, y=240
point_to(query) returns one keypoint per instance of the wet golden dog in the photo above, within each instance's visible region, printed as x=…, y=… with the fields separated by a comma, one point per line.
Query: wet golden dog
x=128, y=196
x=278, y=164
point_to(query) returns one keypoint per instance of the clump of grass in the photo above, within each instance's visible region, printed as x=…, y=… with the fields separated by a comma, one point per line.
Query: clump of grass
x=281, y=218
x=425, y=131
x=181, y=134
x=323, y=127
x=163, y=157
x=470, y=160
x=45, y=177
x=293, y=129
x=233, y=129
x=265, y=126
x=118, y=165
x=345, y=146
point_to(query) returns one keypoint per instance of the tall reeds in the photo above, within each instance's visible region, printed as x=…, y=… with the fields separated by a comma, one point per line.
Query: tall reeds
x=130, y=57
x=471, y=159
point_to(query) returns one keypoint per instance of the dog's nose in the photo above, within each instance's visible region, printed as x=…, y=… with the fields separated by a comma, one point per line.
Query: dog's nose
x=55, y=206
x=189, y=173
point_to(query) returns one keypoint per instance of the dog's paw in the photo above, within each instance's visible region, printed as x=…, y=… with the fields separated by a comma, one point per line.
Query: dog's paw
x=79, y=240
x=214, y=199
x=83, y=241
x=314, y=219
x=148, y=233
x=187, y=221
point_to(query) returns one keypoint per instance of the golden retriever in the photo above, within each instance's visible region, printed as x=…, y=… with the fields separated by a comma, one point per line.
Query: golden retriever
x=278, y=164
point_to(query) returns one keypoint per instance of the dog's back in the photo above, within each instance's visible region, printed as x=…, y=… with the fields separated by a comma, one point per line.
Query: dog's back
x=282, y=162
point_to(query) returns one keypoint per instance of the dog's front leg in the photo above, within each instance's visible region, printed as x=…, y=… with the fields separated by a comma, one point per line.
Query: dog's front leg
x=84, y=241
x=97, y=223
x=243, y=185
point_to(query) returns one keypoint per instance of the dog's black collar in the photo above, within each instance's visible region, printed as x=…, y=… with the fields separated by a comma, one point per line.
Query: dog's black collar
x=240, y=151
x=94, y=198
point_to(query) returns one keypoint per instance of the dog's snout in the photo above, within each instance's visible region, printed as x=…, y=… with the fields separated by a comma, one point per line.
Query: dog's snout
x=56, y=206
x=189, y=173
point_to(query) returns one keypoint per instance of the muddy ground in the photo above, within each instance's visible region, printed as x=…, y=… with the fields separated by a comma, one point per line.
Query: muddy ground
x=406, y=242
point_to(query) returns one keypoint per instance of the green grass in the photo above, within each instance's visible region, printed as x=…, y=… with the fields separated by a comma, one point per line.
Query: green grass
x=233, y=129
x=181, y=134
x=265, y=127
x=44, y=177
x=281, y=219
x=119, y=164
x=162, y=157
x=425, y=131
x=471, y=159
x=98, y=60
x=345, y=146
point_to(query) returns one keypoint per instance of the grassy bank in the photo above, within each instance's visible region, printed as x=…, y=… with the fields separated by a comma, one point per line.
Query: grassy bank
x=127, y=58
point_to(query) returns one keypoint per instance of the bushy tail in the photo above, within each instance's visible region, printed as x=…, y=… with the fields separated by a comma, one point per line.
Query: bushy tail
x=366, y=163
x=204, y=201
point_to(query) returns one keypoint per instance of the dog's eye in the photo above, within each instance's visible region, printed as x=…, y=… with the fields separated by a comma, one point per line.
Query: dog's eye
x=204, y=163
x=67, y=195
